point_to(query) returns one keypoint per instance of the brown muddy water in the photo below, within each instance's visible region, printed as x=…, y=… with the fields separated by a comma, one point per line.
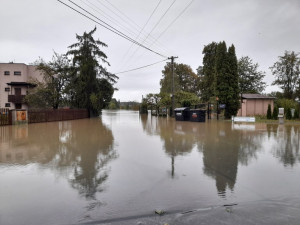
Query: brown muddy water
x=121, y=167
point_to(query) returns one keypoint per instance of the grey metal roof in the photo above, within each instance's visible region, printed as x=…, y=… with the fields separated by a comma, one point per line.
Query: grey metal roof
x=256, y=96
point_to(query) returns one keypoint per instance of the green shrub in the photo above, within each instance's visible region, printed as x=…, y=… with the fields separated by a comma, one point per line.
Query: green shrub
x=288, y=114
x=269, y=113
x=275, y=113
x=286, y=103
x=296, y=115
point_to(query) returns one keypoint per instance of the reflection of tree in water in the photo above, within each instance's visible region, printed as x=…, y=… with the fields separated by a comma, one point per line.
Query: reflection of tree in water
x=90, y=147
x=82, y=146
x=150, y=123
x=222, y=145
x=286, y=146
x=178, y=138
x=222, y=149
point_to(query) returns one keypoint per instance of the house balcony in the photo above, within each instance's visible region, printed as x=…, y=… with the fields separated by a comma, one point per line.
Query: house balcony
x=17, y=99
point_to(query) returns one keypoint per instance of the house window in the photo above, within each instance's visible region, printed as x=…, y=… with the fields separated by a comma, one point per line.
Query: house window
x=6, y=73
x=7, y=104
x=18, y=73
x=7, y=89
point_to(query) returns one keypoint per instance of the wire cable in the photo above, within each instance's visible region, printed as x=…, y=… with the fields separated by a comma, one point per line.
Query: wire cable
x=173, y=22
x=160, y=19
x=132, y=22
x=141, y=67
x=142, y=29
x=108, y=27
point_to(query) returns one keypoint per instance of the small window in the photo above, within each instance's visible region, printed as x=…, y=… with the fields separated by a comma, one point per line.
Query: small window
x=7, y=104
x=18, y=73
x=7, y=89
x=6, y=73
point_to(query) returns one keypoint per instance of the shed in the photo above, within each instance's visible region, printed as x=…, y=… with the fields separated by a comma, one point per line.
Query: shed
x=255, y=104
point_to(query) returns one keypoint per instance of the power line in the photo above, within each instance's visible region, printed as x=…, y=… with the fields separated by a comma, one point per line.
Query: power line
x=143, y=27
x=108, y=27
x=160, y=19
x=133, y=23
x=172, y=22
x=141, y=67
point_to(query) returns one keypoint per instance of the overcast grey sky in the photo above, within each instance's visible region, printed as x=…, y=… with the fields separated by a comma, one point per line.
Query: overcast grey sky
x=260, y=29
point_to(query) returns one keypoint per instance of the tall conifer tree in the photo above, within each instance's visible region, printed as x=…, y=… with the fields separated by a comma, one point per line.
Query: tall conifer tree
x=207, y=73
x=233, y=84
x=91, y=87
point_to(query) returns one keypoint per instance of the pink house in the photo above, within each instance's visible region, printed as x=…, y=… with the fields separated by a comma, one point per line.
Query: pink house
x=255, y=104
x=15, y=80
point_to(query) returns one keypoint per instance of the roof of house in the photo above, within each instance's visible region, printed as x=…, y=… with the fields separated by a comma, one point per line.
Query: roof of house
x=256, y=96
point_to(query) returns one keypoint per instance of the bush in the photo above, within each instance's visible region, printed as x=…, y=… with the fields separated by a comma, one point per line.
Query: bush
x=296, y=115
x=269, y=113
x=275, y=113
x=288, y=114
x=286, y=103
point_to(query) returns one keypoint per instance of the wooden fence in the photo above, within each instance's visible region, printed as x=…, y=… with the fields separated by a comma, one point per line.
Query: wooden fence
x=49, y=115
x=5, y=117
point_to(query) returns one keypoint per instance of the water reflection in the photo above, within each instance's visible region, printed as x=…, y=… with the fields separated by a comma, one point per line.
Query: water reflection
x=179, y=138
x=224, y=145
x=77, y=150
x=286, y=144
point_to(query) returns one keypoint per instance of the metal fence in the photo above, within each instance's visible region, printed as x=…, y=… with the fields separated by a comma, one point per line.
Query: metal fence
x=5, y=117
x=49, y=115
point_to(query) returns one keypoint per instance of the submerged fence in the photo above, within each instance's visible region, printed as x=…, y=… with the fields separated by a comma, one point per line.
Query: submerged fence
x=5, y=117
x=49, y=115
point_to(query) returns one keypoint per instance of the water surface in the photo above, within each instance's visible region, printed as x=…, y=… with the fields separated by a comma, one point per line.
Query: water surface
x=119, y=168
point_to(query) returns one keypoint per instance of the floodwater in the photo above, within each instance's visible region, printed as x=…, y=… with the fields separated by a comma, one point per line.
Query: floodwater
x=121, y=167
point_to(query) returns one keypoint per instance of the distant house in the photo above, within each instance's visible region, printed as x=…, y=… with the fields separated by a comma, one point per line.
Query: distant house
x=255, y=104
x=14, y=84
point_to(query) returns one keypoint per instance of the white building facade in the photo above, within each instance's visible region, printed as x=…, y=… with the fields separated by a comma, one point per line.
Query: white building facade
x=14, y=84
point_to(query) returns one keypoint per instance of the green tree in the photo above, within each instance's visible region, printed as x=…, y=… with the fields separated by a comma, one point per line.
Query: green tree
x=153, y=100
x=186, y=99
x=114, y=104
x=92, y=85
x=250, y=78
x=233, y=103
x=184, y=79
x=207, y=71
x=296, y=115
x=286, y=103
x=276, y=94
x=288, y=114
x=269, y=112
x=144, y=107
x=50, y=93
x=226, y=75
x=275, y=113
x=287, y=73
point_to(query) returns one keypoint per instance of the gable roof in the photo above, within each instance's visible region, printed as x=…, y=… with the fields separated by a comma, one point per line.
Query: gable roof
x=256, y=96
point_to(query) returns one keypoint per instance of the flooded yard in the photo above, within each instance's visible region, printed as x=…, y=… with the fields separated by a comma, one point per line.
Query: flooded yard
x=121, y=167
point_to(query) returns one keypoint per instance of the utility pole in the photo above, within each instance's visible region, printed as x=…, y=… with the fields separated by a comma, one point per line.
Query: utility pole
x=172, y=97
